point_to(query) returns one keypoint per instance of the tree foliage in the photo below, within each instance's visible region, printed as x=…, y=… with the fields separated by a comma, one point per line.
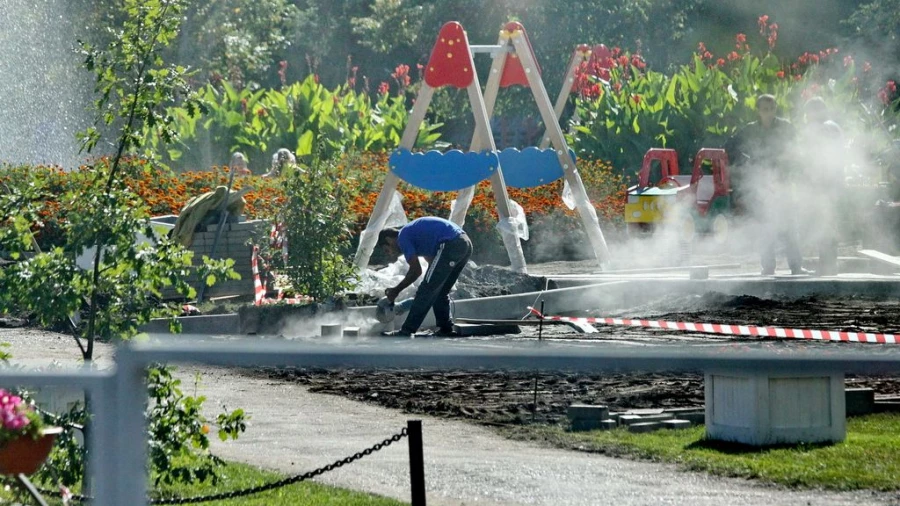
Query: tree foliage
x=317, y=220
x=108, y=223
x=878, y=23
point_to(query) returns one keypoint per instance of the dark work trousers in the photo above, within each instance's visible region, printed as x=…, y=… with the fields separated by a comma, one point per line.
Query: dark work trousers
x=783, y=234
x=434, y=291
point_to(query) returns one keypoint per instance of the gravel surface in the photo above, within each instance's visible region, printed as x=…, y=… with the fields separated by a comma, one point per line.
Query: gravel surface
x=294, y=430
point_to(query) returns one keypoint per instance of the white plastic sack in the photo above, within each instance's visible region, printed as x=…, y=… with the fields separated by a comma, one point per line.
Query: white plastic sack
x=396, y=214
x=374, y=283
x=516, y=224
x=519, y=220
x=567, y=197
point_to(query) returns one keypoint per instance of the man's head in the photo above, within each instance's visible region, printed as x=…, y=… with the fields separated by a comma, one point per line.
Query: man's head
x=816, y=110
x=387, y=240
x=765, y=107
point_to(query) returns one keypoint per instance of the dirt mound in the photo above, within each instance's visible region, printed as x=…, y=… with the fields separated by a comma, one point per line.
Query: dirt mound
x=491, y=281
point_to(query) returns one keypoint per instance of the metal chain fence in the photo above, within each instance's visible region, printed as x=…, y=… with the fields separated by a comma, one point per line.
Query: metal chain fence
x=261, y=488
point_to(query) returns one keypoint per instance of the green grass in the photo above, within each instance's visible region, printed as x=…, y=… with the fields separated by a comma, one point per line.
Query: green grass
x=236, y=476
x=241, y=476
x=868, y=459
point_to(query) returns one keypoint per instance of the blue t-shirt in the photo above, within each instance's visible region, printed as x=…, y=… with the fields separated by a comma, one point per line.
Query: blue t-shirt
x=423, y=236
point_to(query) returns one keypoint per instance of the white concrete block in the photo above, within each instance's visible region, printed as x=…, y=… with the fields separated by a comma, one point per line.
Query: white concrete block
x=332, y=330
x=766, y=408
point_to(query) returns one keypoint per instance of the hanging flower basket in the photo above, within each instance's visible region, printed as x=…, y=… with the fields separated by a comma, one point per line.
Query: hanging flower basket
x=25, y=454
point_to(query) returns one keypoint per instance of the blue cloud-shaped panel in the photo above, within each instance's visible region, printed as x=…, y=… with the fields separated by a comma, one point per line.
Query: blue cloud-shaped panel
x=530, y=167
x=443, y=172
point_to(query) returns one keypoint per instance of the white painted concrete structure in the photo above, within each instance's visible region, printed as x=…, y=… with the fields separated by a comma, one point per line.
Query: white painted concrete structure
x=762, y=408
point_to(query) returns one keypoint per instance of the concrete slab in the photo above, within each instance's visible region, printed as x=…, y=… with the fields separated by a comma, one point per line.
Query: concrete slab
x=891, y=260
x=581, y=425
x=513, y=307
x=859, y=401
x=587, y=412
x=630, y=419
x=645, y=411
x=887, y=407
x=657, y=418
x=205, y=324
x=699, y=273
x=635, y=291
x=644, y=427
x=608, y=424
x=675, y=424
x=696, y=418
x=485, y=329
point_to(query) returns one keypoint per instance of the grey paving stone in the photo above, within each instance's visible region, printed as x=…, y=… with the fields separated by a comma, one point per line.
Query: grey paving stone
x=643, y=427
x=587, y=412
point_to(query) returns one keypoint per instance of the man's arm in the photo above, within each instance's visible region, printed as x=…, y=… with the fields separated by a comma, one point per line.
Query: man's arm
x=735, y=146
x=415, y=270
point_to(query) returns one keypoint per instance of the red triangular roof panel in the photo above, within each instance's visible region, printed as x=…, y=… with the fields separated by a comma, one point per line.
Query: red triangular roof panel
x=451, y=62
x=513, y=71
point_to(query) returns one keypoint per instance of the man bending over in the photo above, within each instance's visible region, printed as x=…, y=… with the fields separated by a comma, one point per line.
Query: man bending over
x=446, y=248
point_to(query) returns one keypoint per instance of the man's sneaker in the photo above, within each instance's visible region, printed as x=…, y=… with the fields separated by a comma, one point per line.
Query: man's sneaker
x=800, y=270
x=446, y=332
x=397, y=333
x=768, y=272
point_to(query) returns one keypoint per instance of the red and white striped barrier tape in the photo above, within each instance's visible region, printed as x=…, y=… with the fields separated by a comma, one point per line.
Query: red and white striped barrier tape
x=735, y=330
x=259, y=291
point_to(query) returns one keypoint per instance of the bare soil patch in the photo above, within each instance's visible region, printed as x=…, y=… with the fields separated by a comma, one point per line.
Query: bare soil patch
x=500, y=397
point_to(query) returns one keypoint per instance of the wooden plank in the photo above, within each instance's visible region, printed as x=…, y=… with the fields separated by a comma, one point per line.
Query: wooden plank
x=881, y=257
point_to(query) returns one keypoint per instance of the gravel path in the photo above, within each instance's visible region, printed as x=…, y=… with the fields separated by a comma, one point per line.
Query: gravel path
x=293, y=431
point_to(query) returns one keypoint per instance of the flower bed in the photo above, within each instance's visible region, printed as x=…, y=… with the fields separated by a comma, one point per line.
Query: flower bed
x=165, y=192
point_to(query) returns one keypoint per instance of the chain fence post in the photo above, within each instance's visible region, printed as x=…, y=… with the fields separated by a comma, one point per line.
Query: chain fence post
x=416, y=462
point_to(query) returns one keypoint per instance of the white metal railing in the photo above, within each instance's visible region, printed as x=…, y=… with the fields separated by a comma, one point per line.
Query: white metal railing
x=118, y=451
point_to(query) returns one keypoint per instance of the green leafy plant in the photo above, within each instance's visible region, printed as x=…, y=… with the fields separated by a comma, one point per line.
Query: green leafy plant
x=66, y=464
x=178, y=429
x=108, y=222
x=179, y=436
x=105, y=221
x=317, y=221
x=302, y=116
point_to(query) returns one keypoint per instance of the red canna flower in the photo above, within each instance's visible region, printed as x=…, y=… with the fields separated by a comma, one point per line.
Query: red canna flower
x=763, y=22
